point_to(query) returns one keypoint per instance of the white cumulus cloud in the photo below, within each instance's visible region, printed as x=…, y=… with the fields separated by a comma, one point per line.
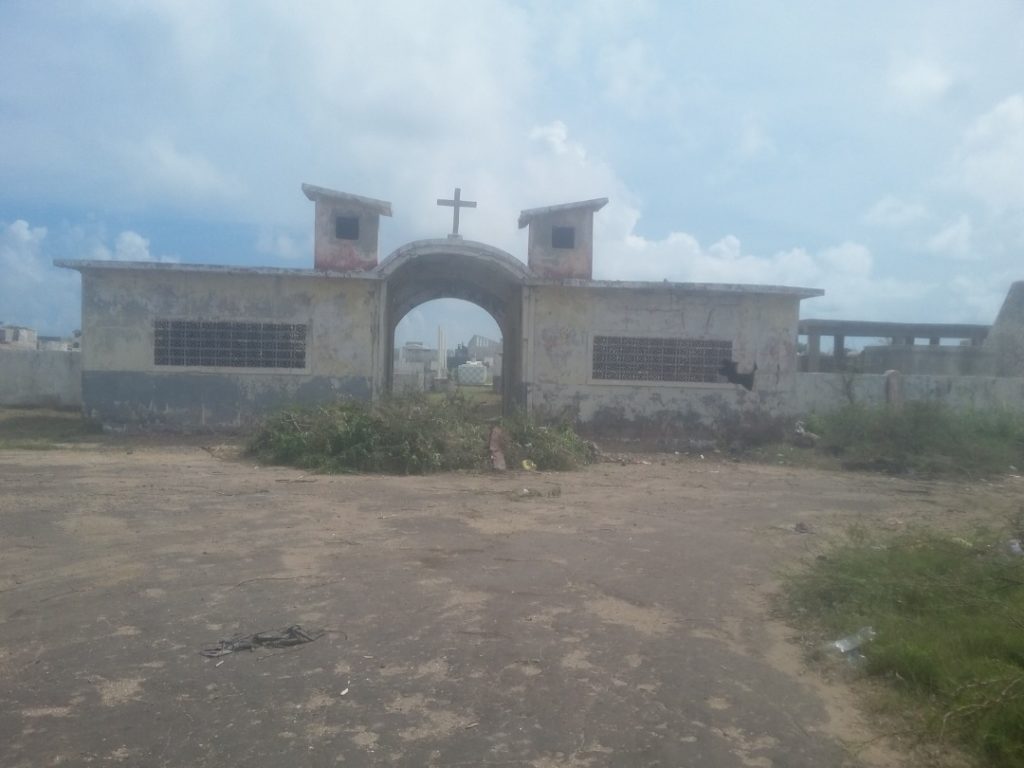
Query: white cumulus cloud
x=917, y=81
x=32, y=292
x=954, y=239
x=894, y=213
x=991, y=158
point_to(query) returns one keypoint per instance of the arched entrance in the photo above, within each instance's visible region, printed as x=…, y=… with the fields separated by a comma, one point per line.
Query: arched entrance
x=456, y=269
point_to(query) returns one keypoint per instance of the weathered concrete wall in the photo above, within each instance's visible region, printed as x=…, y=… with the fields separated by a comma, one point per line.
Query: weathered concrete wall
x=823, y=392
x=1006, y=339
x=32, y=378
x=936, y=361
x=563, y=320
x=121, y=384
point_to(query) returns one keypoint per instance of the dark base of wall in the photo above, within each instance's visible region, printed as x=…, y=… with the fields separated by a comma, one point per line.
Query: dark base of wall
x=687, y=430
x=193, y=402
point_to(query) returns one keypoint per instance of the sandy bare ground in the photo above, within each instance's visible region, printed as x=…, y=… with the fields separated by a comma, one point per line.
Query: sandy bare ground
x=615, y=616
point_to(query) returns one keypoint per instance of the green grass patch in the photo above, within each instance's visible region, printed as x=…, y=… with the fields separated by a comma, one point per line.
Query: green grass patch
x=408, y=435
x=43, y=429
x=923, y=437
x=949, y=618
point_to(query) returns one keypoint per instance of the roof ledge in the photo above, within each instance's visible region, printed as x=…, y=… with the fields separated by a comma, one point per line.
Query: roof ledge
x=314, y=193
x=528, y=215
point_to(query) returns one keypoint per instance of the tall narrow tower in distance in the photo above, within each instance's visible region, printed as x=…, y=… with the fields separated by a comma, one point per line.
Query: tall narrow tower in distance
x=442, y=355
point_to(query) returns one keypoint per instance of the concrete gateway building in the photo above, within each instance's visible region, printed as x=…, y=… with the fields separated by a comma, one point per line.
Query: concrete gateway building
x=179, y=346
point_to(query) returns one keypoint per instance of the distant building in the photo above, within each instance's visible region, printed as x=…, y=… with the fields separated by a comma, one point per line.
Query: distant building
x=415, y=352
x=488, y=352
x=480, y=347
x=17, y=337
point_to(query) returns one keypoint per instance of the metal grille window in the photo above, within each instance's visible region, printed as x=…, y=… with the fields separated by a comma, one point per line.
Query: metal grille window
x=630, y=358
x=234, y=345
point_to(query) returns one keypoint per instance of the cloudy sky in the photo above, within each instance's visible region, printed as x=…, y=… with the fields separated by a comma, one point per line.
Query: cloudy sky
x=873, y=149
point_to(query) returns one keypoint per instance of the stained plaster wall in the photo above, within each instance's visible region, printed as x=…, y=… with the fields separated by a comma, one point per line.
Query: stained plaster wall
x=333, y=254
x=562, y=320
x=121, y=384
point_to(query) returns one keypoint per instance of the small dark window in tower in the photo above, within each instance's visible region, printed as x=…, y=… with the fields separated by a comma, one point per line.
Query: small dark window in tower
x=563, y=237
x=346, y=227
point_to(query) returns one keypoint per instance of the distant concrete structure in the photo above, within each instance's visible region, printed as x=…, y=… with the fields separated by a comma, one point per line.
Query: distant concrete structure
x=1005, y=343
x=442, y=351
x=983, y=350
x=17, y=337
x=984, y=371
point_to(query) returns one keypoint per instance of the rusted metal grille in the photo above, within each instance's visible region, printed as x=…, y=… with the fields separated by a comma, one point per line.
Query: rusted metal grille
x=629, y=358
x=233, y=345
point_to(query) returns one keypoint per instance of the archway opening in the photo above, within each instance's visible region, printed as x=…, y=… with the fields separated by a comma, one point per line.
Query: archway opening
x=446, y=346
x=489, y=280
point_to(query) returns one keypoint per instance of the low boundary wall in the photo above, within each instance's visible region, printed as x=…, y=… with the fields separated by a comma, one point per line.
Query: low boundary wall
x=40, y=378
x=822, y=392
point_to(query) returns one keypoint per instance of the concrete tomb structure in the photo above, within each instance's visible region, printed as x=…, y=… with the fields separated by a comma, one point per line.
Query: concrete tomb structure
x=178, y=346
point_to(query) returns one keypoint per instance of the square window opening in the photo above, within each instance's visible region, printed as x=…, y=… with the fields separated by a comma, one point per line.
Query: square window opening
x=346, y=227
x=563, y=237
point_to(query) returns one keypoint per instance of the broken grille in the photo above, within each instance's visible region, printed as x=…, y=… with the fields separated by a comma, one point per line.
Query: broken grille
x=232, y=345
x=628, y=358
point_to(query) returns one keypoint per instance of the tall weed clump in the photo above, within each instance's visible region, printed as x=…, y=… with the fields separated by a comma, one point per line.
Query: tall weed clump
x=925, y=437
x=412, y=434
x=555, y=447
x=407, y=435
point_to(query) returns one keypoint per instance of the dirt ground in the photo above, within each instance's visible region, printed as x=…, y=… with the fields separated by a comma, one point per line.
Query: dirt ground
x=615, y=616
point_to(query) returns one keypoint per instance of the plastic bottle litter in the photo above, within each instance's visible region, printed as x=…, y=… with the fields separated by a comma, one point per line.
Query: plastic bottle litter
x=856, y=640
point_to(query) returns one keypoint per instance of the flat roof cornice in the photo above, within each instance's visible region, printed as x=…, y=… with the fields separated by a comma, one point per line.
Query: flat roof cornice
x=668, y=287
x=528, y=215
x=90, y=265
x=372, y=204
x=98, y=265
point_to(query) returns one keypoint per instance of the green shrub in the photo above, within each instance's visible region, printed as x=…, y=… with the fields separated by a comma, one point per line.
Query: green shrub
x=924, y=437
x=408, y=435
x=549, y=447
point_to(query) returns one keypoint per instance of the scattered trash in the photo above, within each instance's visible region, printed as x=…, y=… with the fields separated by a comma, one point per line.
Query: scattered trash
x=497, y=448
x=1015, y=547
x=849, y=646
x=343, y=692
x=529, y=465
x=526, y=493
x=803, y=527
x=801, y=438
x=219, y=663
x=293, y=635
x=471, y=725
